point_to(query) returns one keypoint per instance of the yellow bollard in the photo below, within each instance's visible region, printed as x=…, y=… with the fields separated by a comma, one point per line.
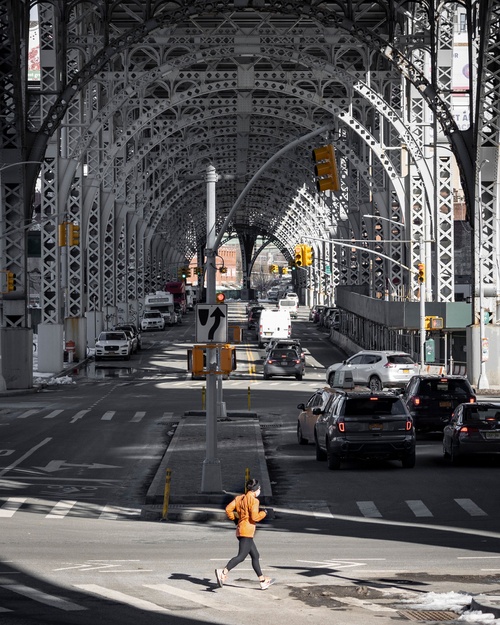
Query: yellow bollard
x=166, y=494
x=203, y=393
x=247, y=477
x=248, y=398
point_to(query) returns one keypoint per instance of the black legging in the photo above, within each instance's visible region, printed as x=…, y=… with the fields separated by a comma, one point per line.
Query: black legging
x=246, y=547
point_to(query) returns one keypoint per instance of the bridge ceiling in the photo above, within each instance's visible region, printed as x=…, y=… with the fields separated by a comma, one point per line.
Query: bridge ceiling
x=170, y=87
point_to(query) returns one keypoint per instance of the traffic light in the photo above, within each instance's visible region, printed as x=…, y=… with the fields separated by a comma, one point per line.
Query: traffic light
x=421, y=272
x=187, y=272
x=62, y=234
x=11, y=281
x=223, y=269
x=326, y=169
x=285, y=271
x=220, y=298
x=74, y=234
x=308, y=255
x=299, y=251
x=180, y=273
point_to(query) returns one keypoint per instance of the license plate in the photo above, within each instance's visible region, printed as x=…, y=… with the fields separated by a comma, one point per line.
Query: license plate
x=445, y=404
x=376, y=426
x=491, y=435
x=406, y=371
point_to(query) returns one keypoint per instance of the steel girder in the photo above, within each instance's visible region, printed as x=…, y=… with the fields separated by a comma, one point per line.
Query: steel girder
x=148, y=93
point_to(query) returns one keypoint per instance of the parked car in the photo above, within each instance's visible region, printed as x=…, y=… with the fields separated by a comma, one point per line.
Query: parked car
x=312, y=312
x=283, y=362
x=431, y=399
x=152, y=320
x=135, y=332
x=375, y=369
x=317, y=313
x=331, y=318
x=113, y=344
x=363, y=425
x=309, y=412
x=474, y=428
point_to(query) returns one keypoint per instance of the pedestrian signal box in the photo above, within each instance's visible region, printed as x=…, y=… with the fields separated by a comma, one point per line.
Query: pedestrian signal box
x=432, y=322
x=225, y=359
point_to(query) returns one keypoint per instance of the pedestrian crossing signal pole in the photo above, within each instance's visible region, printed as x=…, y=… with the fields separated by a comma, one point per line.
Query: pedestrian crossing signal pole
x=211, y=480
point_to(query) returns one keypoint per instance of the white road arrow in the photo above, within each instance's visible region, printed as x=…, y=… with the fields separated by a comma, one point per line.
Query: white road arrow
x=61, y=465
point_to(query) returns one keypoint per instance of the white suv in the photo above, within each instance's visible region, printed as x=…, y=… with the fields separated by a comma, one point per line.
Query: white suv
x=377, y=370
x=152, y=320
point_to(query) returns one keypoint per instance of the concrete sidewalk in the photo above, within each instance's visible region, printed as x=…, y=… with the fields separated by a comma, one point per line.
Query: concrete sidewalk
x=239, y=447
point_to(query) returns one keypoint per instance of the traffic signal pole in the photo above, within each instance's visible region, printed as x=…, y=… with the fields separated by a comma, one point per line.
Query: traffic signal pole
x=211, y=479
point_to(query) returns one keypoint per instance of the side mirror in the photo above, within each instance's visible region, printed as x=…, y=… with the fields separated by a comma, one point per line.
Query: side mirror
x=301, y=406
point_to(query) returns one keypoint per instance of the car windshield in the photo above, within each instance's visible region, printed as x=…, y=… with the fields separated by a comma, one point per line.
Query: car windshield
x=112, y=336
x=481, y=415
x=444, y=386
x=401, y=359
x=368, y=406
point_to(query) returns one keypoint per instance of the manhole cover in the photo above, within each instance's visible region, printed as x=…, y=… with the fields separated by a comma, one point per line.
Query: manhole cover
x=428, y=615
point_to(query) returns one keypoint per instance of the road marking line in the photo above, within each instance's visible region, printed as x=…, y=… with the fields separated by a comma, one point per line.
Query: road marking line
x=469, y=506
x=61, y=509
x=137, y=417
x=28, y=413
x=26, y=455
x=11, y=506
x=193, y=596
x=369, y=509
x=418, y=508
x=52, y=414
x=121, y=597
x=107, y=416
x=79, y=415
x=42, y=597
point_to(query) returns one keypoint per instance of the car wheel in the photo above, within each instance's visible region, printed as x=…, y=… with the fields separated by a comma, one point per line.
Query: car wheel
x=300, y=438
x=408, y=461
x=127, y=357
x=333, y=460
x=298, y=376
x=374, y=384
x=320, y=453
x=266, y=376
x=331, y=379
x=445, y=452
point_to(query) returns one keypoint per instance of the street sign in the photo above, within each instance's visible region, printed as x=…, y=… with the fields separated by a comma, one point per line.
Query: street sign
x=211, y=323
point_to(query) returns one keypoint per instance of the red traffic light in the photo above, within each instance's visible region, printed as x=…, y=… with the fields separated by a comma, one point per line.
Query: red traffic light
x=220, y=298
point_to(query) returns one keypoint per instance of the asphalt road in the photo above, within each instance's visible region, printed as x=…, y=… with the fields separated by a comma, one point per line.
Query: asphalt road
x=76, y=461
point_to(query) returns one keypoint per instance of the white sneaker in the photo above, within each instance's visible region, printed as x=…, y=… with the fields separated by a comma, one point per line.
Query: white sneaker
x=221, y=578
x=267, y=582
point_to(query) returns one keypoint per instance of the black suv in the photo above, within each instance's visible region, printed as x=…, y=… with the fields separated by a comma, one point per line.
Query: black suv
x=362, y=425
x=431, y=399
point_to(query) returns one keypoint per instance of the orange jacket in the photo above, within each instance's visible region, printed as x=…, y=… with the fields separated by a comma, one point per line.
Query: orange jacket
x=247, y=512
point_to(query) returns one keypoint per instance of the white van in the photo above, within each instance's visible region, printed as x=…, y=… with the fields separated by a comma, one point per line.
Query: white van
x=274, y=324
x=290, y=304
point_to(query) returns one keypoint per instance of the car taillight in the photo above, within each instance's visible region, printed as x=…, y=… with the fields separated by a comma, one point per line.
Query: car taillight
x=389, y=365
x=416, y=401
x=466, y=429
x=270, y=361
x=297, y=361
x=341, y=425
x=409, y=425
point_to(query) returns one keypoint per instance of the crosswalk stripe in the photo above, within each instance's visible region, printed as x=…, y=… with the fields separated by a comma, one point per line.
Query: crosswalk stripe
x=61, y=509
x=369, y=509
x=137, y=417
x=42, y=597
x=52, y=414
x=469, y=506
x=107, y=416
x=194, y=597
x=79, y=415
x=11, y=506
x=121, y=597
x=28, y=413
x=115, y=512
x=418, y=508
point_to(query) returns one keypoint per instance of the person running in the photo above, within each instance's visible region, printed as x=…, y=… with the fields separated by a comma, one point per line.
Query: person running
x=244, y=510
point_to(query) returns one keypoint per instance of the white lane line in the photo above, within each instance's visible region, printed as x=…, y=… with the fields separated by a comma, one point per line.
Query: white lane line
x=28, y=413
x=107, y=416
x=469, y=506
x=115, y=512
x=79, y=415
x=52, y=414
x=369, y=509
x=42, y=597
x=26, y=455
x=61, y=509
x=418, y=508
x=11, y=506
x=137, y=417
x=193, y=597
x=121, y=597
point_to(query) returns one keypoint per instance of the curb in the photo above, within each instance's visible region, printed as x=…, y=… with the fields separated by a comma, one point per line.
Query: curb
x=489, y=604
